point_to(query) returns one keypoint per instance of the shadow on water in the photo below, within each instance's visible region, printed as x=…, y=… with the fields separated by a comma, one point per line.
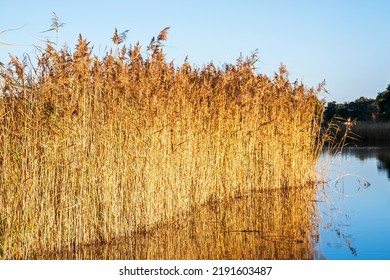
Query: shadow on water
x=267, y=225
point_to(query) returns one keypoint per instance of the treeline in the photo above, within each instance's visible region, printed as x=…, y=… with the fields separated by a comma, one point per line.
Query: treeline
x=362, y=109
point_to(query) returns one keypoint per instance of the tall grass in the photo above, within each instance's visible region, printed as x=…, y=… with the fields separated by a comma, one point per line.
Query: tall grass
x=264, y=225
x=93, y=149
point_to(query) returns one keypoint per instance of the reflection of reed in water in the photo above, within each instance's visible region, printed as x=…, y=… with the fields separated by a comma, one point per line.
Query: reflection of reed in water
x=272, y=225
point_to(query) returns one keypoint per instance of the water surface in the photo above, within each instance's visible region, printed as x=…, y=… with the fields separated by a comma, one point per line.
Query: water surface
x=355, y=205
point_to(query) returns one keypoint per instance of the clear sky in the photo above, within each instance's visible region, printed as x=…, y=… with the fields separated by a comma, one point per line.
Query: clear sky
x=345, y=42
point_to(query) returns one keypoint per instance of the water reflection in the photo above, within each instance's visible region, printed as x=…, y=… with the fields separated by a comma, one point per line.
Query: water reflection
x=384, y=163
x=346, y=218
x=382, y=154
x=355, y=205
x=272, y=225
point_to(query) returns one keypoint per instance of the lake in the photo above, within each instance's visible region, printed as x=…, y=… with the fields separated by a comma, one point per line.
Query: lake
x=355, y=205
x=348, y=217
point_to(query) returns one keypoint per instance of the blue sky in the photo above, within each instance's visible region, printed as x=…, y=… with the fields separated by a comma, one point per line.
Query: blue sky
x=345, y=42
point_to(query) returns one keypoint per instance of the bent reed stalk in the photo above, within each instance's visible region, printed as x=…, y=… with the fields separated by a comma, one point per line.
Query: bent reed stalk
x=93, y=149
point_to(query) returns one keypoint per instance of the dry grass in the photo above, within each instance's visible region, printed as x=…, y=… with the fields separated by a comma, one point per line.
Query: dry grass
x=264, y=225
x=93, y=149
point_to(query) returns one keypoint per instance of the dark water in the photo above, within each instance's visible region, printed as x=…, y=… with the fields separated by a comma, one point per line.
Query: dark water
x=355, y=207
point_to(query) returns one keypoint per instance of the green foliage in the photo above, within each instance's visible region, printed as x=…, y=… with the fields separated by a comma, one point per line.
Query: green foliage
x=362, y=109
x=368, y=119
x=383, y=100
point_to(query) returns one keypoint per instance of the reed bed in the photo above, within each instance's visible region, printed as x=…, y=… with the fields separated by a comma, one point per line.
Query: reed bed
x=93, y=149
x=240, y=229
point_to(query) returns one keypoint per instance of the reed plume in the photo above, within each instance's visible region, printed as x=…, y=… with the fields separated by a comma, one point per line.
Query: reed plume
x=93, y=149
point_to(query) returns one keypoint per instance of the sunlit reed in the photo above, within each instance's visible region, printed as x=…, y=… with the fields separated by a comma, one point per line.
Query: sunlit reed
x=93, y=149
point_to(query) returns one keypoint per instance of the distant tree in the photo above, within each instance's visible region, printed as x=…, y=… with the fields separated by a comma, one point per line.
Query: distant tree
x=383, y=100
x=362, y=109
x=330, y=110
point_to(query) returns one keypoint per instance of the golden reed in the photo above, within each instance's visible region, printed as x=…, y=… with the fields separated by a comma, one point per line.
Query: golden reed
x=94, y=149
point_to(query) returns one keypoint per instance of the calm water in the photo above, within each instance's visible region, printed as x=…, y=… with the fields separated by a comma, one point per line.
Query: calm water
x=355, y=207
